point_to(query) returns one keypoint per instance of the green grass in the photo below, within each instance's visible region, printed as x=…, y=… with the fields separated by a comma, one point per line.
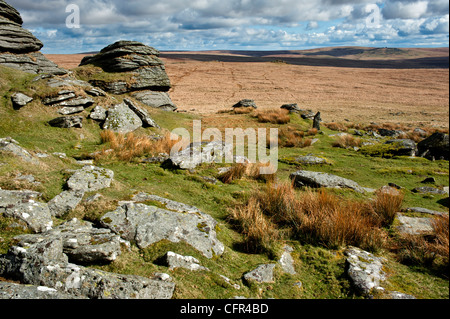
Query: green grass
x=321, y=272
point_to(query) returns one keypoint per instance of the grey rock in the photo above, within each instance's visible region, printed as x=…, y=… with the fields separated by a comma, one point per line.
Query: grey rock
x=414, y=225
x=400, y=295
x=390, y=133
x=158, y=100
x=76, y=102
x=61, y=96
x=147, y=121
x=319, y=179
x=70, y=110
x=246, y=103
x=404, y=147
x=198, y=153
x=45, y=263
x=429, y=190
x=365, y=270
x=291, y=107
x=10, y=145
x=67, y=122
x=174, y=261
x=23, y=205
x=15, y=39
x=121, y=119
x=19, y=100
x=98, y=113
x=307, y=114
x=311, y=160
x=65, y=202
x=9, y=13
x=90, y=178
x=35, y=63
x=10, y=290
x=262, y=274
x=435, y=147
x=147, y=225
x=286, y=261
x=316, y=121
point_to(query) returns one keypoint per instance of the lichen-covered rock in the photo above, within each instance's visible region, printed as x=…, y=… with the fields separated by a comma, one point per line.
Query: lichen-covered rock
x=403, y=147
x=365, y=270
x=174, y=260
x=82, y=242
x=147, y=225
x=10, y=145
x=10, y=290
x=19, y=100
x=90, y=178
x=147, y=121
x=157, y=100
x=23, y=205
x=67, y=122
x=286, y=261
x=121, y=119
x=65, y=202
x=44, y=263
x=414, y=225
x=262, y=274
x=245, y=103
x=198, y=153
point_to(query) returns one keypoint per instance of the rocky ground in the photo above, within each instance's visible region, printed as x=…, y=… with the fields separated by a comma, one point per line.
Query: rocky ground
x=82, y=215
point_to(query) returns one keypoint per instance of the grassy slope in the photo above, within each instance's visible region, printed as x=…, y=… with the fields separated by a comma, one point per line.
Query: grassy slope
x=321, y=271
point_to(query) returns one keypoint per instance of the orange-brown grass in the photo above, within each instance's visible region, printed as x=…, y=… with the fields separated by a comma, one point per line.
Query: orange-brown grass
x=346, y=141
x=249, y=170
x=259, y=232
x=291, y=137
x=243, y=110
x=336, y=126
x=427, y=249
x=129, y=146
x=320, y=217
x=386, y=205
x=279, y=116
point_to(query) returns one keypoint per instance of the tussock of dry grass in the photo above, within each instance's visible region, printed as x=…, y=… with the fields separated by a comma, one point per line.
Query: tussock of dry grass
x=278, y=116
x=129, y=146
x=248, y=170
x=347, y=141
x=291, y=137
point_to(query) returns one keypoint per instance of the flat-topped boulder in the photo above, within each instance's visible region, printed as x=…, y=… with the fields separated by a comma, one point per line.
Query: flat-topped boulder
x=318, y=179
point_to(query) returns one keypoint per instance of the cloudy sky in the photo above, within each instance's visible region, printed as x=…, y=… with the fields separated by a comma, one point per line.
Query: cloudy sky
x=236, y=24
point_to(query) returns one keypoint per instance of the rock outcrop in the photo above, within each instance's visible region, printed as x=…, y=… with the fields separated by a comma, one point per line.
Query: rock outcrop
x=319, y=179
x=19, y=48
x=137, y=69
x=435, y=147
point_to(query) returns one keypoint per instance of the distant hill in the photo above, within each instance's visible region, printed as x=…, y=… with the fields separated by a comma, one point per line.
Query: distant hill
x=358, y=57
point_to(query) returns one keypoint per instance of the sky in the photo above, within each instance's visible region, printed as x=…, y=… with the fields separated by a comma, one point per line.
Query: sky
x=75, y=26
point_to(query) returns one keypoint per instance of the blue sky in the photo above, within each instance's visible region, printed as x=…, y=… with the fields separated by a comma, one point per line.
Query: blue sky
x=237, y=24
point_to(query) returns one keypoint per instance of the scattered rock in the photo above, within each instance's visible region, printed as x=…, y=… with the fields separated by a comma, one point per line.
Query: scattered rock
x=157, y=100
x=10, y=145
x=319, y=179
x=246, y=103
x=424, y=211
x=429, y=190
x=316, y=121
x=121, y=119
x=429, y=180
x=262, y=274
x=311, y=160
x=286, y=261
x=19, y=100
x=198, y=153
x=292, y=108
x=390, y=133
x=174, y=260
x=365, y=270
x=90, y=179
x=23, y=205
x=65, y=202
x=98, y=113
x=147, y=121
x=414, y=225
x=67, y=122
x=178, y=222
x=434, y=147
x=70, y=110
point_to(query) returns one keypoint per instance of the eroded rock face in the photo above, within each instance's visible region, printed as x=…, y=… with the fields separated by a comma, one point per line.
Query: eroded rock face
x=19, y=48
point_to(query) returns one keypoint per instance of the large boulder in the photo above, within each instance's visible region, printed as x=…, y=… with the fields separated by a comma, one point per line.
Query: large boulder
x=319, y=179
x=9, y=290
x=11, y=146
x=90, y=179
x=146, y=225
x=435, y=147
x=403, y=147
x=137, y=68
x=19, y=48
x=121, y=119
